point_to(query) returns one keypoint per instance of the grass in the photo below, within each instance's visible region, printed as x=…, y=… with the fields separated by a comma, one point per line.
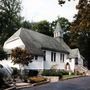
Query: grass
x=69, y=76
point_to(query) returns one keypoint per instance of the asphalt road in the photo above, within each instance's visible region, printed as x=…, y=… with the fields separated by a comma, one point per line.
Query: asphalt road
x=82, y=83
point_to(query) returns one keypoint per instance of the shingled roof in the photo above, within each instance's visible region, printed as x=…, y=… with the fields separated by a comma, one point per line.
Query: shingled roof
x=35, y=42
x=74, y=53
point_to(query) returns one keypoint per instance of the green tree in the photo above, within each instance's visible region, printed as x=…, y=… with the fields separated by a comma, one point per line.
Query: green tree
x=43, y=27
x=21, y=56
x=26, y=24
x=9, y=18
x=65, y=25
x=80, y=28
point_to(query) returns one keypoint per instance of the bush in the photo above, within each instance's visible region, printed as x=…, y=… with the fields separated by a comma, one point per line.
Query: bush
x=37, y=79
x=52, y=73
x=49, y=73
x=63, y=72
x=33, y=73
x=15, y=72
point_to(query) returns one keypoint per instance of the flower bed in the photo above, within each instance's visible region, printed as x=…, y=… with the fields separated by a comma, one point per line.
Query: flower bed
x=37, y=79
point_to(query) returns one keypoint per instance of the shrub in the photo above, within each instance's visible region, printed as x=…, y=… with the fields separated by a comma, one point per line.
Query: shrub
x=63, y=72
x=49, y=73
x=52, y=73
x=33, y=73
x=15, y=72
x=37, y=79
x=72, y=73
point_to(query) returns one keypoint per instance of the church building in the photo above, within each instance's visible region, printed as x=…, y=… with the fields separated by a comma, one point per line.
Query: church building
x=49, y=52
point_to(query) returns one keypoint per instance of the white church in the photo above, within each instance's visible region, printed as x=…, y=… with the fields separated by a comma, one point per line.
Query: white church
x=49, y=52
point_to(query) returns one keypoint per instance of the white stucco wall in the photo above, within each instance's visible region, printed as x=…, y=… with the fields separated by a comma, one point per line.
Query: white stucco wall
x=48, y=64
x=36, y=64
x=16, y=42
x=71, y=63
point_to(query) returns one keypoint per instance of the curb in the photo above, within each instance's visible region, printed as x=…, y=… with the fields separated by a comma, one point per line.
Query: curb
x=35, y=84
x=11, y=88
x=40, y=83
x=72, y=78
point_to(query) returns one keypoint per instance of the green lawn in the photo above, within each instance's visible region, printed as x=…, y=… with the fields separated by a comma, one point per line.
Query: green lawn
x=70, y=76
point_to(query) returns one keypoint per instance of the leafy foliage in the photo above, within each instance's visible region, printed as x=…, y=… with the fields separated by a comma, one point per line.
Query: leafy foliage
x=21, y=56
x=53, y=72
x=26, y=24
x=80, y=28
x=43, y=27
x=65, y=24
x=61, y=2
x=9, y=18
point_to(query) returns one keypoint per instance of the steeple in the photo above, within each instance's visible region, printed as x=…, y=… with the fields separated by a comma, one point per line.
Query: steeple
x=58, y=31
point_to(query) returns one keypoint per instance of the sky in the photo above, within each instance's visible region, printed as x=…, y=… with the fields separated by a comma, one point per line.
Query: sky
x=50, y=10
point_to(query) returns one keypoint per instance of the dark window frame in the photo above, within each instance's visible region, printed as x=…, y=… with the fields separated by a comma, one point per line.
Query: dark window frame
x=76, y=61
x=44, y=57
x=62, y=57
x=53, y=56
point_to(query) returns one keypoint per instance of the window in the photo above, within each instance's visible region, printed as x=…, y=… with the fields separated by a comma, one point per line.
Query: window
x=62, y=57
x=53, y=56
x=44, y=56
x=36, y=57
x=76, y=61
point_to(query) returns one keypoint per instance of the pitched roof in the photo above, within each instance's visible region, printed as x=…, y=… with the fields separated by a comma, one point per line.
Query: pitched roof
x=74, y=53
x=65, y=46
x=35, y=42
x=58, y=27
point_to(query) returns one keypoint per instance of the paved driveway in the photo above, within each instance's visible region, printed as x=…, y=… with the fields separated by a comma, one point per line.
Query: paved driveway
x=72, y=84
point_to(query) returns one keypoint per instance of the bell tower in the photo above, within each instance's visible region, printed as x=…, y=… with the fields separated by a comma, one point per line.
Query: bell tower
x=58, y=31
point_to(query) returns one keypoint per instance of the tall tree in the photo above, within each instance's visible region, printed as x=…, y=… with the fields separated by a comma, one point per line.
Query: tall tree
x=80, y=28
x=9, y=18
x=65, y=24
x=26, y=24
x=43, y=27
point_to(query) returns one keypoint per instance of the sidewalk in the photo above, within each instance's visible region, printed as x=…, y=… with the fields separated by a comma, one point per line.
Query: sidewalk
x=19, y=85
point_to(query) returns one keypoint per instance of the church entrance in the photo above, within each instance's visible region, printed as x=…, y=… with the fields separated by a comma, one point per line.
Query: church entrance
x=67, y=67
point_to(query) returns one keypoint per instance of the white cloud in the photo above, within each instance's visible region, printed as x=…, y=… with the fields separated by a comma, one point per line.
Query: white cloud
x=37, y=10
